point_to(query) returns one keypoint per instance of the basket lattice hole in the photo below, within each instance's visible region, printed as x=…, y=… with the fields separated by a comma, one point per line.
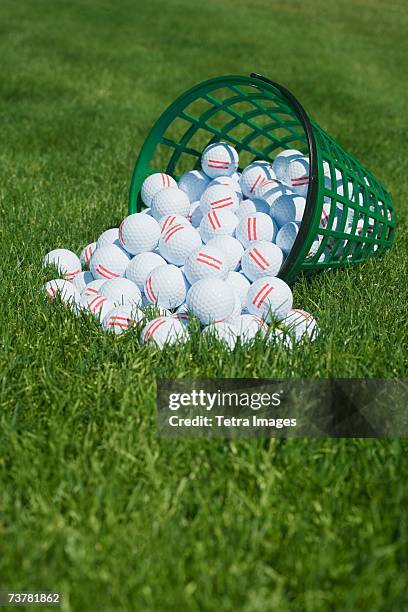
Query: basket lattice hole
x=281, y=134
x=245, y=158
x=200, y=139
x=242, y=107
x=222, y=94
x=260, y=143
x=219, y=120
x=176, y=130
x=197, y=108
x=240, y=132
x=161, y=157
x=185, y=163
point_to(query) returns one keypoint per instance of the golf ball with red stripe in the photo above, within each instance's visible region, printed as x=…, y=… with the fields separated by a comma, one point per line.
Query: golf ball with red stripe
x=269, y=298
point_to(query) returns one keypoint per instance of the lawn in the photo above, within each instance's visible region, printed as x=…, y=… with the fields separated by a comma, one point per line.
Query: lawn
x=92, y=502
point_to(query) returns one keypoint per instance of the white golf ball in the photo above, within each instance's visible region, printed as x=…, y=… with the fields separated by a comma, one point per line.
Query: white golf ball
x=139, y=268
x=225, y=331
x=194, y=183
x=219, y=159
x=168, y=220
x=249, y=326
x=217, y=223
x=66, y=262
x=271, y=190
x=155, y=183
x=240, y=284
x=231, y=247
x=253, y=176
x=109, y=262
x=121, y=318
x=139, y=233
x=109, y=236
x=245, y=208
x=176, y=244
x=228, y=181
x=314, y=247
x=86, y=254
x=170, y=201
x=97, y=305
x=256, y=226
x=92, y=288
x=218, y=197
x=300, y=323
x=62, y=290
x=164, y=331
x=287, y=208
x=206, y=262
x=122, y=292
x=81, y=280
x=286, y=237
x=166, y=287
x=261, y=259
x=269, y=298
x=297, y=175
x=211, y=300
x=281, y=161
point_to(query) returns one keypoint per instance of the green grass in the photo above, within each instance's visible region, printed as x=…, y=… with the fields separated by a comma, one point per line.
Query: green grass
x=92, y=502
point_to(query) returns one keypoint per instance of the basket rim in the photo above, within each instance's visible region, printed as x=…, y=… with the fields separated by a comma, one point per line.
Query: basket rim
x=288, y=270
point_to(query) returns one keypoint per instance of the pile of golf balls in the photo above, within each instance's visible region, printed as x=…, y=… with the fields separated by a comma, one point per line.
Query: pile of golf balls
x=209, y=247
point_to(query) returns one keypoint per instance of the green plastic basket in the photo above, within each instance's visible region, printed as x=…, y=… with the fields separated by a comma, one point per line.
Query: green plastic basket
x=260, y=119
